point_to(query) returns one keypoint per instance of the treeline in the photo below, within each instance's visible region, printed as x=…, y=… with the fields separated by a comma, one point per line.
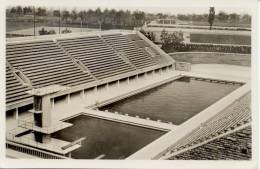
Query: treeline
x=111, y=18
x=220, y=17
x=108, y=18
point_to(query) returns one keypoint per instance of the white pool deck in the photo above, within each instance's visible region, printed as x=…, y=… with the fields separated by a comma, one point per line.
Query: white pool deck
x=80, y=105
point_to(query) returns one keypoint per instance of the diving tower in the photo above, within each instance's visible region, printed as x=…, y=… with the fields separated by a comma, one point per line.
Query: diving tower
x=35, y=130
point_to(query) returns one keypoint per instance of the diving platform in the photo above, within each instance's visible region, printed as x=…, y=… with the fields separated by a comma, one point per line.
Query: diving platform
x=53, y=145
x=28, y=123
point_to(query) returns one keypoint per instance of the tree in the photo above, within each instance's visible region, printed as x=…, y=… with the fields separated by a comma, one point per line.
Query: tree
x=149, y=35
x=83, y=15
x=41, y=12
x=234, y=18
x=65, y=17
x=246, y=19
x=56, y=13
x=222, y=16
x=74, y=15
x=27, y=10
x=211, y=17
x=19, y=10
x=184, y=17
x=13, y=11
x=139, y=18
x=171, y=39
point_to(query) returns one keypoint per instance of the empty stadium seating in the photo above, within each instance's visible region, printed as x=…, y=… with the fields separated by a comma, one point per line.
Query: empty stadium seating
x=237, y=114
x=15, y=91
x=138, y=56
x=72, y=61
x=145, y=47
x=96, y=55
x=234, y=146
x=44, y=63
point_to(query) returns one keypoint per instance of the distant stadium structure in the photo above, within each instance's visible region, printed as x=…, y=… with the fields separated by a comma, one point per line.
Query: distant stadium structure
x=116, y=95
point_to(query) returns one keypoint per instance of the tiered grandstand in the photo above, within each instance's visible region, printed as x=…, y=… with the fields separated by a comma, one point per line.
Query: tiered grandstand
x=15, y=90
x=232, y=118
x=72, y=61
x=234, y=146
x=97, y=56
x=51, y=65
x=136, y=54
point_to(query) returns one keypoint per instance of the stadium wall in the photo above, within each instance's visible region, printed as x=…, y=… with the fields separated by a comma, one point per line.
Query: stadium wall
x=212, y=58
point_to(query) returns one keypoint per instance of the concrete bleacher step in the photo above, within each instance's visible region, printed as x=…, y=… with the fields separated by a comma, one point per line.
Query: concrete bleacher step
x=40, y=62
x=31, y=51
x=95, y=55
x=28, y=45
x=44, y=68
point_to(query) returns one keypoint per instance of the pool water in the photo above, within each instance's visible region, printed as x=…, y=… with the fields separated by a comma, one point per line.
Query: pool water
x=111, y=140
x=174, y=102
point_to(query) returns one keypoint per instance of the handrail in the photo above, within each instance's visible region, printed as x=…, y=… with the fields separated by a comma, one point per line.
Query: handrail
x=28, y=123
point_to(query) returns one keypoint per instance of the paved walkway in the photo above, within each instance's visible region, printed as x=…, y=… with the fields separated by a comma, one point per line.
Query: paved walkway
x=230, y=71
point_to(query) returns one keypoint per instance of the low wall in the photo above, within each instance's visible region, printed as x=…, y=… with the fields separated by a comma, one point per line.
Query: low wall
x=212, y=58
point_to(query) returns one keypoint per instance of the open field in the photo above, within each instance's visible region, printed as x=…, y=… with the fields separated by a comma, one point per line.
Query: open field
x=220, y=38
x=223, y=24
x=213, y=58
x=30, y=31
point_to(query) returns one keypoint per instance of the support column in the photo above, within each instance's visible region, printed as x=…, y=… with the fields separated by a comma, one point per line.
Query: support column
x=52, y=103
x=118, y=84
x=107, y=86
x=69, y=155
x=68, y=98
x=16, y=113
x=95, y=90
x=82, y=94
x=173, y=67
x=128, y=80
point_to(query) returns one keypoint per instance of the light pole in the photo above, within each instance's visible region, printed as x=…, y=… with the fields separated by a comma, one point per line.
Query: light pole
x=34, y=33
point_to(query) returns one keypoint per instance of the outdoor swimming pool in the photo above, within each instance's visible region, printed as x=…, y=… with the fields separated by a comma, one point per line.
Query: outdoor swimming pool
x=106, y=139
x=176, y=101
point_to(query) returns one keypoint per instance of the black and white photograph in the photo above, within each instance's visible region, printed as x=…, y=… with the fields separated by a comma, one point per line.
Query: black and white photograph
x=126, y=82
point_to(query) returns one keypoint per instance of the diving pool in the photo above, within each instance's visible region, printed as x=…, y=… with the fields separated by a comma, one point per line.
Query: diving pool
x=106, y=139
x=176, y=101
